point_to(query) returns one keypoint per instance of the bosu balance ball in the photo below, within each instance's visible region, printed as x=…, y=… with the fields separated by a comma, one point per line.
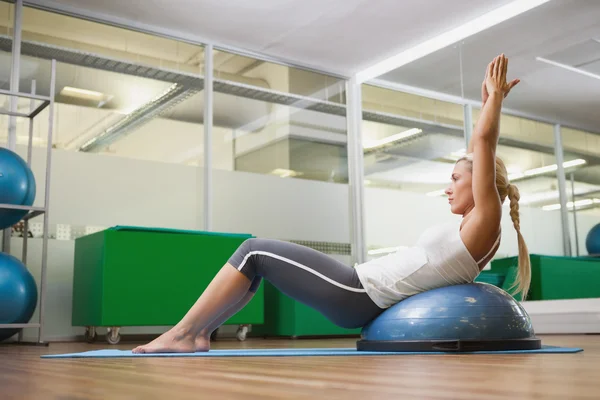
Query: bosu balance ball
x=459, y=318
x=592, y=241
x=17, y=187
x=18, y=294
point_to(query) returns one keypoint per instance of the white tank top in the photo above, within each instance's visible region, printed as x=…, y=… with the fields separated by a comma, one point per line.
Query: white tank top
x=439, y=258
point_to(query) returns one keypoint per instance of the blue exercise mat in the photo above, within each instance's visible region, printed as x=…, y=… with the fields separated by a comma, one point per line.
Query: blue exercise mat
x=293, y=353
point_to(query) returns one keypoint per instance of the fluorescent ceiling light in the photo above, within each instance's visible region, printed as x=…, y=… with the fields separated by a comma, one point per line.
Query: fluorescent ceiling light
x=285, y=173
x=568, y=67
x=82, y=93
x=520, y=175
x=384, y=250
x=537, y=197
x=432, y=45
x=553, y=195
x=459, y=153
x=546, y=169
x=578, y=204
x=456, y=155
x=371, y=144
x=436, y=193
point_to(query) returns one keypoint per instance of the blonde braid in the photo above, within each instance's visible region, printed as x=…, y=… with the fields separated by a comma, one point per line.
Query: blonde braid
x=524, y=271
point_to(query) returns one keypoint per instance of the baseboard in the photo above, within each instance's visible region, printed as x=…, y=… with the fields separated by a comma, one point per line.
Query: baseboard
x=564, y=316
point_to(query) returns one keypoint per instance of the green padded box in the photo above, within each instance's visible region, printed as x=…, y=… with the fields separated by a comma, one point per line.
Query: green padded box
x=132, y=276
x=493, y=278
x=286, y=317
x=554, y=277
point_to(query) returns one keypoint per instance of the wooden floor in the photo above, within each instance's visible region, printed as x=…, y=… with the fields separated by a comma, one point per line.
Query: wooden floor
x=24, y=375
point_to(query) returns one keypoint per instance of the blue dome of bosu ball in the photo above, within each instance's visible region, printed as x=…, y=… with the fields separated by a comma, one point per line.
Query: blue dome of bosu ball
x=459, y=318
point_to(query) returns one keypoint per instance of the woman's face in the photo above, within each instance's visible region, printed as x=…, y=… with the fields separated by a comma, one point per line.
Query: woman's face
x=460, y=191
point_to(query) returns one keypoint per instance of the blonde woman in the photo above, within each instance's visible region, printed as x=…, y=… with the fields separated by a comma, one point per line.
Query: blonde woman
x=445, y=254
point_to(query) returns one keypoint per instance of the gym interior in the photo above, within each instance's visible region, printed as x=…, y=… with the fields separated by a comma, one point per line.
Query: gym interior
x=143, y=142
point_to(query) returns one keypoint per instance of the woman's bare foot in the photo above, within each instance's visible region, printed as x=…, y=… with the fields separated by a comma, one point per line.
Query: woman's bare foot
x=202, y=343
x=169, y=342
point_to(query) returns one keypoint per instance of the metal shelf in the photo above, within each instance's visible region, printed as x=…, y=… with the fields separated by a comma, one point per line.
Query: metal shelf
x=15, y=207
x=36, y=105
x=34, y=211
x=45, y=102
x=32, y=325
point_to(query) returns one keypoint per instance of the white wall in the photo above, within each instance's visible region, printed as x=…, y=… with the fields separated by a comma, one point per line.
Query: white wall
x=290, y=209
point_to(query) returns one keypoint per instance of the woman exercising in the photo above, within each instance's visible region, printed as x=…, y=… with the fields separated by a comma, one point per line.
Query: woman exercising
x=447, y=254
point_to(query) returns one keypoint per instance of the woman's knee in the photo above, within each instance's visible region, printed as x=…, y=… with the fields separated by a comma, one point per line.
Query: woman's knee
x=248, y=246
x=255, y=244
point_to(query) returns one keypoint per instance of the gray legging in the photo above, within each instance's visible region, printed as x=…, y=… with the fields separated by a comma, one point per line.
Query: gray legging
x=308, y=276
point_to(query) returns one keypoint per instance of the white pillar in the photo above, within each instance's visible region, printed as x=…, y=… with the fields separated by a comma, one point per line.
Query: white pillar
x=356, y=170
x=15, y=73
x=562, y=190
x=468, y=124
x=208, y=123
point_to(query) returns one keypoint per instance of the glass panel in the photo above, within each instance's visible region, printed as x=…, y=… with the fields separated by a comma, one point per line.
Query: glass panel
x=407, y=165
x=280, y=162
x=111, y=108
x=122, y=133
x=527, y=149
x=412, y=106
x=6, y=29
x=111, y=42
x=256, y=131
x=584, y=183
x=278, y=78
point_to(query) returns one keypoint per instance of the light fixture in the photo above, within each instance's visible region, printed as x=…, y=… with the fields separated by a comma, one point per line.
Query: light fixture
x=578, y=204
x=461, y=32
x=384, y=250
x=285, y=173
x=371, y=144
x=568, y=67
x=543, y=170
x=456, y=155
x=436, y=193
x=553, y=195
x=520, y=175
x=82, y=93
x=538, y=197
x=459, y=153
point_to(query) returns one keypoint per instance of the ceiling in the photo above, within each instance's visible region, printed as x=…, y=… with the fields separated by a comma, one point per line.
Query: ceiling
x=357, y=33
x=564, y=31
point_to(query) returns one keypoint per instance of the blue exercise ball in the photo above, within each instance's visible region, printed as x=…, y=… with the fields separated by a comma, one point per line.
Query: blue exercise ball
x=592, y=241
x=18, y=294
x=17, y=187
x=469, y=317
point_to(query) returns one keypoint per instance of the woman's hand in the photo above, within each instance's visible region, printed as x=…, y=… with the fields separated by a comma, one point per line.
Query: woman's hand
x=495, y=79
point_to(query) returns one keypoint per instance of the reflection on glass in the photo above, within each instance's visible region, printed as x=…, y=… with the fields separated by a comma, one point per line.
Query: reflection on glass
x=111, y=42
x=111, y=102
x=410, y=147
x=583, y=186
x=260, y=125
x=278, y=78
x=411, y=106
